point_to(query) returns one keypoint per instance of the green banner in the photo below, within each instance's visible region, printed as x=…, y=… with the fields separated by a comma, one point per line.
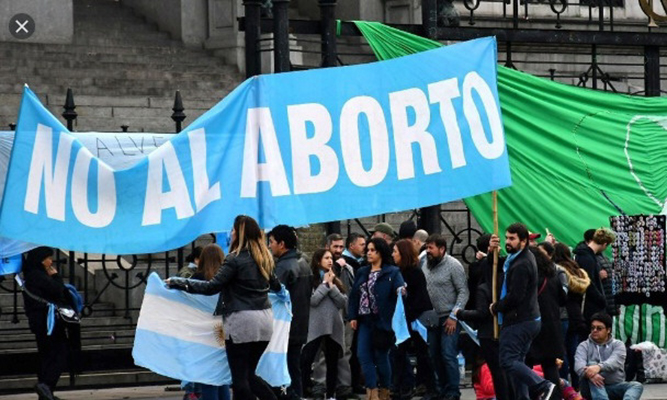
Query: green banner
x=577, y=156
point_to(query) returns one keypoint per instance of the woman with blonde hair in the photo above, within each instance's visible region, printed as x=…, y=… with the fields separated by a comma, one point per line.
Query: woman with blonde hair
x=244, y=281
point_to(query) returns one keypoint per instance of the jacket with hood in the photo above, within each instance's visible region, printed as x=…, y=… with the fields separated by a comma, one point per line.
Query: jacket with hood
x=610, y=356
x=39, y=283
x=594, y=300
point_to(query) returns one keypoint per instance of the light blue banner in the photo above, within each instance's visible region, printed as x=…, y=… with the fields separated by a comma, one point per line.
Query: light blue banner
x=11, y=265
x=295, y=148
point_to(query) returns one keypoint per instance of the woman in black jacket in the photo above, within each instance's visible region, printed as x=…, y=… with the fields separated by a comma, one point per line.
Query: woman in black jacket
x=43, y=281
x=548, y=345
x=481, y=316
x=416, y=302
x=244, y=281
x=578, y=282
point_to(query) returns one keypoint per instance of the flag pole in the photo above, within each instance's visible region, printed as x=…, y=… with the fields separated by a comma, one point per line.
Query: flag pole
x=494, y=279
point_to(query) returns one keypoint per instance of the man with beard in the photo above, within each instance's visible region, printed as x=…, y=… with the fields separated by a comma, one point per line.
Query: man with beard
x=519, y=314
x=448, y=290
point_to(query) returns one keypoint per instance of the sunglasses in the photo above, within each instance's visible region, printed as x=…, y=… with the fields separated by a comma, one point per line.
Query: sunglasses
x=598, y=328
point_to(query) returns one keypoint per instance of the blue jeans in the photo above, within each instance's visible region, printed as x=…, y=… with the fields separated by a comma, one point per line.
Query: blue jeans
x=372, y=358
x=443, y=349
x=571, y=343
x=615, y=391
x=515, y=342
x=209, y=392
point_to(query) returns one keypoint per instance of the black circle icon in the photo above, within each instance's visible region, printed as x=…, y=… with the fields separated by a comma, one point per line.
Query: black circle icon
x=21, y=26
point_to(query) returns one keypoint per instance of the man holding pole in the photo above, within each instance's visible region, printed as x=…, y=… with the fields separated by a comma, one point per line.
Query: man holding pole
x=518, y=314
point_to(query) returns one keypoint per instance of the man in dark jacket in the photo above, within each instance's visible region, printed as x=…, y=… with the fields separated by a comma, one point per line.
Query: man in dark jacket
x=297, y=278
x=519, y=314
x=586, y=257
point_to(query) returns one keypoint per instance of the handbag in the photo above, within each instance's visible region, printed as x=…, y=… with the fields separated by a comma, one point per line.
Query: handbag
x=429, y=319
x=66, y=314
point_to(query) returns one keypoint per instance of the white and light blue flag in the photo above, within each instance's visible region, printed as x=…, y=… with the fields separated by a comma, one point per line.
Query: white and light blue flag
x=179, y=337
x=381, y=137
x=399, y=324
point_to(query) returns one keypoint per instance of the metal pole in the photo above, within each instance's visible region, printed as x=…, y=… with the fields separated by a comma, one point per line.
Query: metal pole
x=281, y=35
x=430, y=18
x=69, y=114
x=178, y=116
x=429, y=219
x=253, y=62
x=652, y=71
x=328, y=19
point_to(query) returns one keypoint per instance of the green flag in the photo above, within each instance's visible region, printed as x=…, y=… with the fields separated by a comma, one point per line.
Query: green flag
x=577, y=156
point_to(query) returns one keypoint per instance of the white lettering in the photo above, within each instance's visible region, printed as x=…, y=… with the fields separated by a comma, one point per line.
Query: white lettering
x=204, y=194
x=43, y=170
x=259, y=123
x=351, y=146
x=405, y=135
x=495, y=148
x=303, y=148
x=444, y=92
x=176, y=197
x=106, y=191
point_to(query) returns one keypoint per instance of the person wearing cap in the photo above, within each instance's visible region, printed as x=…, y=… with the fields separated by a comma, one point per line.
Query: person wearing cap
x=193, y=263
x=532, y=238
x=383, y=231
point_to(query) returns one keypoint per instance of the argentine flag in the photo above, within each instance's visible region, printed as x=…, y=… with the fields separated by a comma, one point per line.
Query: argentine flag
x=178, y=336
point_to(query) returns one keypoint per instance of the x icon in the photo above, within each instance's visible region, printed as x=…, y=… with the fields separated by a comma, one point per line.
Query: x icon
x=22, y=26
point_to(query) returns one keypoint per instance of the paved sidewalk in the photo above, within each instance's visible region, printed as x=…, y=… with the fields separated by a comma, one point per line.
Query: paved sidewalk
x=651, y=392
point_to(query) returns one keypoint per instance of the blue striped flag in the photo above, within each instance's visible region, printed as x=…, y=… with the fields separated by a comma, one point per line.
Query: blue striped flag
x=398, y=322
x=178, y=336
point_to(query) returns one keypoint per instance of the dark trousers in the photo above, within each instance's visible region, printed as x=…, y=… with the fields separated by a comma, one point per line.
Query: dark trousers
x=355, y=367
x=571, y=343
x=243, y=359
x=404, y=375
x=491, y=353
x=331, y=351
x=52, y=352
x=515, y=342
x=295, y=390
x=552, y=375
x=210, y=392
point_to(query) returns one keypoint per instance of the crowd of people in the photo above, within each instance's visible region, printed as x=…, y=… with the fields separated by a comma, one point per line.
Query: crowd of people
x=553, y=312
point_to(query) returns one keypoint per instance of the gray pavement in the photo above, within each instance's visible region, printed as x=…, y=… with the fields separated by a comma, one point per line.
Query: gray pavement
x=651, y=392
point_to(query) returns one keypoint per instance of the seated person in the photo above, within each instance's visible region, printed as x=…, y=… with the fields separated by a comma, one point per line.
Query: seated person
x=600, y=362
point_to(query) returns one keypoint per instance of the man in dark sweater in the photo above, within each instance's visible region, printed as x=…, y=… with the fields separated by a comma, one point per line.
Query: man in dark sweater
x=586, y=256
x=519, y=314
x=295, y=274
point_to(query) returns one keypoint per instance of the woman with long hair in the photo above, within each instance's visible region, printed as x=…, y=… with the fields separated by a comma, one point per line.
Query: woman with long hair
x=370, y=310
x=578, y=282
x=548, y=345
x=416, y=302
x=326, y=328
x=244, y=281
